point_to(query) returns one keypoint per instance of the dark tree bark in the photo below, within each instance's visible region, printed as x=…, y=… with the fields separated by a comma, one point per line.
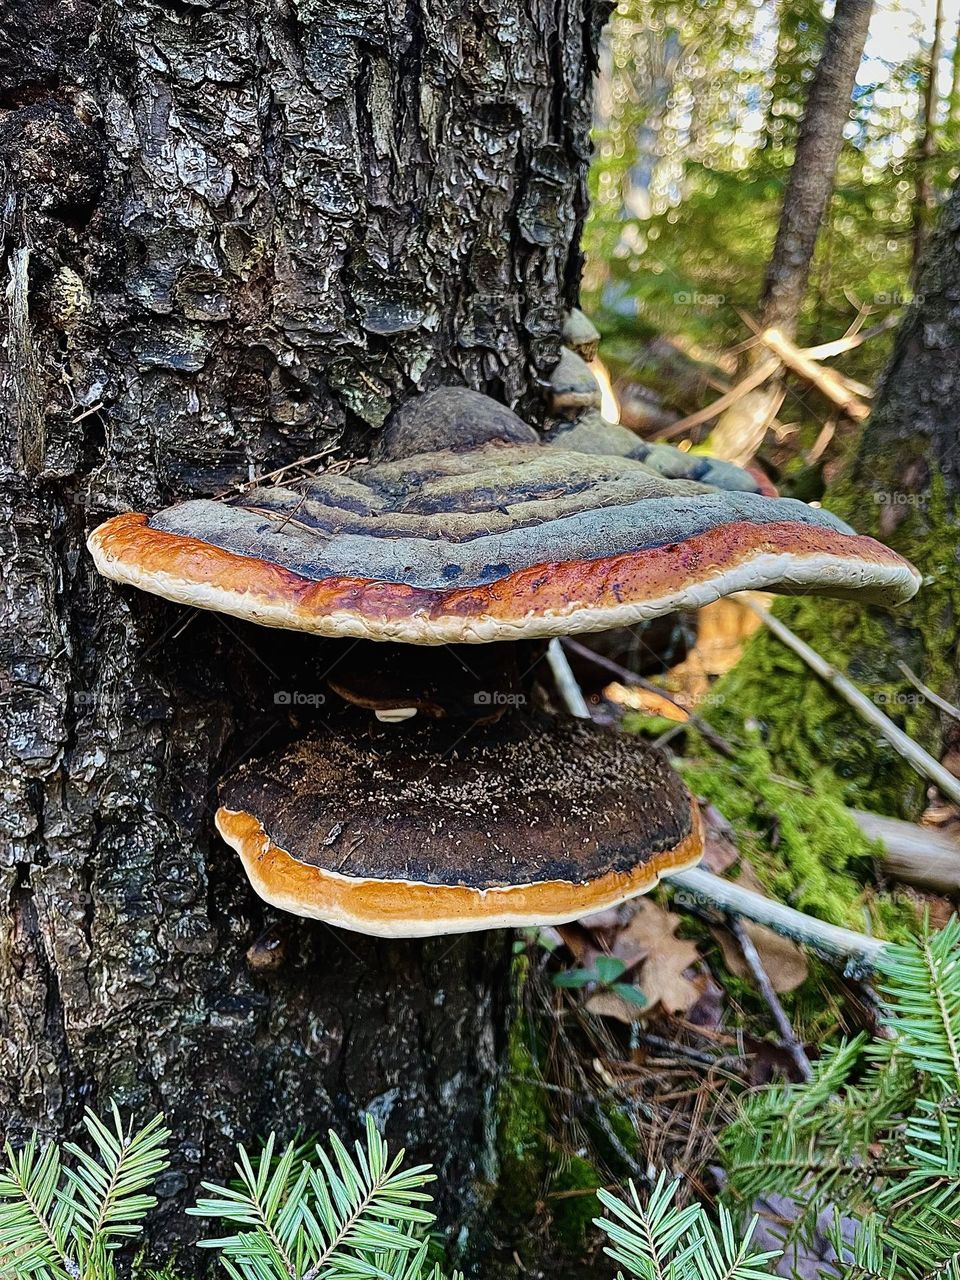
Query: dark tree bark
x=237, y=233
x=811, y=178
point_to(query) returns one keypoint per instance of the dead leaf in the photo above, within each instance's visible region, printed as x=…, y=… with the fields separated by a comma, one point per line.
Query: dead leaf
x=651, y=936
x=719, y=846
x=707, y=1010
x=785, y=963
x=645, y=700
x=607, y=1004
x=579, y=943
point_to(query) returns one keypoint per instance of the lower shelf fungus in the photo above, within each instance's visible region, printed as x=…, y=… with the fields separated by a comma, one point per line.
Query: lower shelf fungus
x=421, y=829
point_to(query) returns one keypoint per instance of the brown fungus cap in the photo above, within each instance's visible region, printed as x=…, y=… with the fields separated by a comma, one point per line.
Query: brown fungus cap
x=417, y=831
x=488, y=536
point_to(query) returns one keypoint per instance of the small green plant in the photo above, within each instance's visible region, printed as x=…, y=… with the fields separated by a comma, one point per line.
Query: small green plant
x=605, y=974
x=62, y=1221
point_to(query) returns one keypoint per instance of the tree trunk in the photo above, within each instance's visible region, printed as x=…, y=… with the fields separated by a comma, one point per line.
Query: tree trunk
x=811, y=178
x=925, y=196
x=903, y=486
x=741, y=429
x=236, y=235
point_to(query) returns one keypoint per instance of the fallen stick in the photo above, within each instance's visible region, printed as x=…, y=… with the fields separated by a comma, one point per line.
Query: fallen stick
x=629, y=677
x=562, y=673
x=913, y=854
x=701, y=891
x=851, y=340
x=946, y=707
x=827, y=382
x=788, y=1036
x=912, y=752
x=766, y=369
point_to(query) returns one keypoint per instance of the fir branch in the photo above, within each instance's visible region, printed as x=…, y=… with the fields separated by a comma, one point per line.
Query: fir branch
x=328, y=1218
x=32, y=1223
x=60, y=1223
x=922, y=990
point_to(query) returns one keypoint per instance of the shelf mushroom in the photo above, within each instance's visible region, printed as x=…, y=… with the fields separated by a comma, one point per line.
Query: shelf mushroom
x=590, y=433
x=487, y=536
x=464, y=530
x=580, y=334
x=525, y=823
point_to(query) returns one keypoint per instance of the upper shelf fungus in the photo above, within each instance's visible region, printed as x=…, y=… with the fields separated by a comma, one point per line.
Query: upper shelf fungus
x=466, y=529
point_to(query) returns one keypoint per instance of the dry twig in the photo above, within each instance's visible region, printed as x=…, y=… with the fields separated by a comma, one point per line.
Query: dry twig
x=912, y=752
x=788, y=1036
x=629, y=677
x=946, y=707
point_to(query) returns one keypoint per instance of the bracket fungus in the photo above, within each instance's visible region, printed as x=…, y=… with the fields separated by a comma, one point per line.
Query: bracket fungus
x=467, y=528
x=573, y=388
x=423, y=831
x=592, y=434
x=487, y=537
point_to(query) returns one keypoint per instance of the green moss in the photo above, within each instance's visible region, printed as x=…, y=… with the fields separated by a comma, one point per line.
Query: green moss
x=543, y=1192
x=573, y=1202
x=800, y=839
x=522, y=1116
x=804, y=846
x=806, y=728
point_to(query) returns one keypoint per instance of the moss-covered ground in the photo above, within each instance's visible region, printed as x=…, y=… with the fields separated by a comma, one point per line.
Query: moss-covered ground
x=808, y=732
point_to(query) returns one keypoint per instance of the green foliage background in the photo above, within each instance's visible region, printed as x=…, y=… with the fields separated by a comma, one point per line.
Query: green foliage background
x=697, y=118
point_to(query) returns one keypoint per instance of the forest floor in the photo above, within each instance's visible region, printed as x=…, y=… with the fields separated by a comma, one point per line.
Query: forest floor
x=638, y=1029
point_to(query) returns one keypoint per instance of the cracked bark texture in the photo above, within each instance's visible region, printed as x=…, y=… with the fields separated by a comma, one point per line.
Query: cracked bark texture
x=236, y=233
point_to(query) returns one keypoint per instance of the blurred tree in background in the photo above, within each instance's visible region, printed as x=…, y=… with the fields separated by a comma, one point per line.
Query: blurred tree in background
x=698, y=113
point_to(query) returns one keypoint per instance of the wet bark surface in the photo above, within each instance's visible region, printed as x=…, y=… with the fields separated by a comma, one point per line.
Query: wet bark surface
x=236, y=234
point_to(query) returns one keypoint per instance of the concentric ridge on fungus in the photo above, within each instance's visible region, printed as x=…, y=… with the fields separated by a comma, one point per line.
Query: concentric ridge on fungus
x=487, y=535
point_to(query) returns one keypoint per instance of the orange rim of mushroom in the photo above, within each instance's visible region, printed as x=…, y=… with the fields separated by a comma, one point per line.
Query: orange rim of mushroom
x=395, y=908
x=558, y=598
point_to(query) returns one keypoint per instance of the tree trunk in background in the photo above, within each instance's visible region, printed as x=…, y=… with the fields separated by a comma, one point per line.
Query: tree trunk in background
x=925, y=196
x=953, y=107
x=740, y=430
x=237, y=234
x=811, y=178
x=907, y=467
x=903, y=486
